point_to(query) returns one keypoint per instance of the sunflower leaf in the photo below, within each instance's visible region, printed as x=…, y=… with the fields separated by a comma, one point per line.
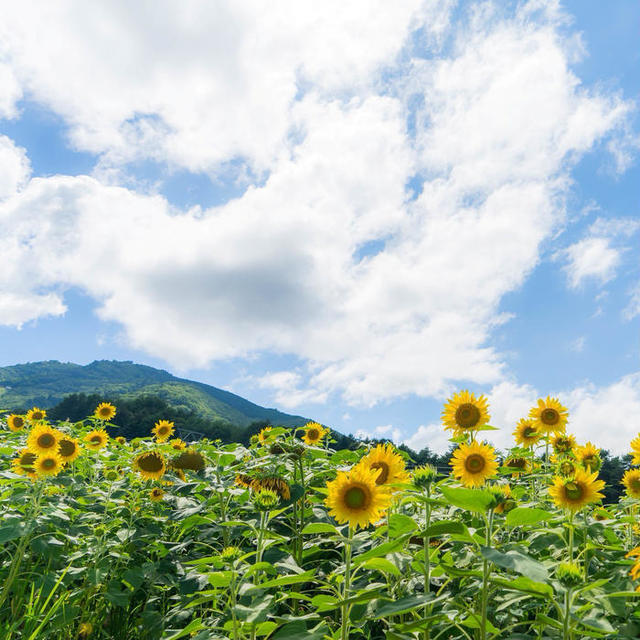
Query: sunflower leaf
x=470, y=499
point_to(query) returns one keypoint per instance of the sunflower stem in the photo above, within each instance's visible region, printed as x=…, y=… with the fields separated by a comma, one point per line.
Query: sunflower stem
x=566, y=629
x=347, y=585
x=427, y=559
x=486, y=572
x=571, y=536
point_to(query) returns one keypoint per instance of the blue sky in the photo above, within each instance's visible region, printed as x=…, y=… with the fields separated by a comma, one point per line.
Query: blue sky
x=445, y=198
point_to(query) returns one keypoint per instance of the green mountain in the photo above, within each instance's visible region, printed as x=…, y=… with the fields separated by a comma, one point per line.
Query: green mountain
x=45, y=384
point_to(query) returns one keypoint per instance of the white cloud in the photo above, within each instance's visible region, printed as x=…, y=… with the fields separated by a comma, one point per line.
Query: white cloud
x=591, y=259
x=317, y=101
x=11, y=92
x=432, y=436
x=384, y=431
x=15, y=168
x=577, y=345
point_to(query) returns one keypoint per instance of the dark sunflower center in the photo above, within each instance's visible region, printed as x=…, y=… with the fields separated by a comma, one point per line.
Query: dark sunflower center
x=150, y=463
x=383, y=476
x=589, y=461
x=475, y=463
x=37, y=415
x=573, y=491
x=97, y=439
x=48, y=463
x=162, y=431
x=105, y=411
x=18, y=422
x=355, y=498
x=563, y=444
x=467, y=415
x=67, y=448
x=46, y=441
x=635, y=484
x=27, y=459
x=550, y=416
x=313, y=434
x=529, y=432
x=517, y=463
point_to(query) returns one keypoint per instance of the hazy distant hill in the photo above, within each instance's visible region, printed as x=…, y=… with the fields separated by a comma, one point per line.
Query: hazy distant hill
x=45, y=384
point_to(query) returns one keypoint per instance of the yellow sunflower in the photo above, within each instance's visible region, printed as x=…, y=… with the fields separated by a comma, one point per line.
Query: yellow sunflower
x=43, y=439
x=549, y=416
x=162, y=430
x=179, y=473
x=24, y=464
x=68, y=449
x=635, y=569
x=635, y=450
x=36, y=415
x=355, y=498
x=104, y=411
x=15, y=422
x=566, y=465
x=517, y=465
x=474, y=463
x=589, y=457
x=504, y=498
x=313, y=433
x=273, y=483
x=85, y=630
x=177, y=444
x=387, y=465
x=156, y=495
x=631, y=481
x=96, y=439
x=526, y=435
x=464, y=412
x=150, y=465
x=575, y=492
x=264, y=435
x=563, y=443
x=120, y=440
x=48, y=464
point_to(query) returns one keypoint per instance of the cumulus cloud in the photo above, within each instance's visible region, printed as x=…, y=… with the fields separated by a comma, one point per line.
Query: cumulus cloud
x=15, y=168
x=336, y=116
x=591, y=258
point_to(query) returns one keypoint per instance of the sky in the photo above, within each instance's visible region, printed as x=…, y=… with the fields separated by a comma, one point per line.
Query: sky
x=345, y=211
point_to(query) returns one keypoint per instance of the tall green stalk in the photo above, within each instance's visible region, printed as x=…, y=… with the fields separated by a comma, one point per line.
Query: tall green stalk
x=427, y=560
x=344, y=635
x=486, y=572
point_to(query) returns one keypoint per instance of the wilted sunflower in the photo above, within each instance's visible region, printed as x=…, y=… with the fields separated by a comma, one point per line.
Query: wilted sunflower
x=463, y=412
x=189, y=459
x=163, y=430
x=177, y=444
x=563, y=443
x=36, y=414
x=104, y=411
x=575, y=492
x=526, y=435
x=474, y=463
x=631, y=481
x=68, y=449
x=635, y=450
x=243, y=480
x=96, y=439
x=313, y=433
x=24, y=464
x=150, y=465
x=48, y=464
x=264, y=435
x=15, y=422
x=517, y=466
x=43, y=439
x=589, y=457
x=273, y=483
x=387, y=465
x=156, y=495
x=179, y=473
x=354, y=497
x=550, y=416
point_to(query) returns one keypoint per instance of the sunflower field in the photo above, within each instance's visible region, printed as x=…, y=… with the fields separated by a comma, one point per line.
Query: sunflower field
x=158, y=539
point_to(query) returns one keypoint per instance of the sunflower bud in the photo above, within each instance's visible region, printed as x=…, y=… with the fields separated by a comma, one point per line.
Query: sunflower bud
x=230, y=554
x=569, y=574
x=423, y=477
x=265, y=499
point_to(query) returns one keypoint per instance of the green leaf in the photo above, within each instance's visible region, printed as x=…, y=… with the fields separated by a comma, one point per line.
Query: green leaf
x=526, y=515
x=257, y=611
x=470, y=499
x=320, y=527
x=12, y=529
x=298, y=631
x=444, y=527
x=517, y=561
x=525, y=585
x=283, y=581
x=393, y=607
x=219, y=578
x=193, y=626
x=382, y=564
x=474, y=622
x=400, y=524
x=381, y=550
